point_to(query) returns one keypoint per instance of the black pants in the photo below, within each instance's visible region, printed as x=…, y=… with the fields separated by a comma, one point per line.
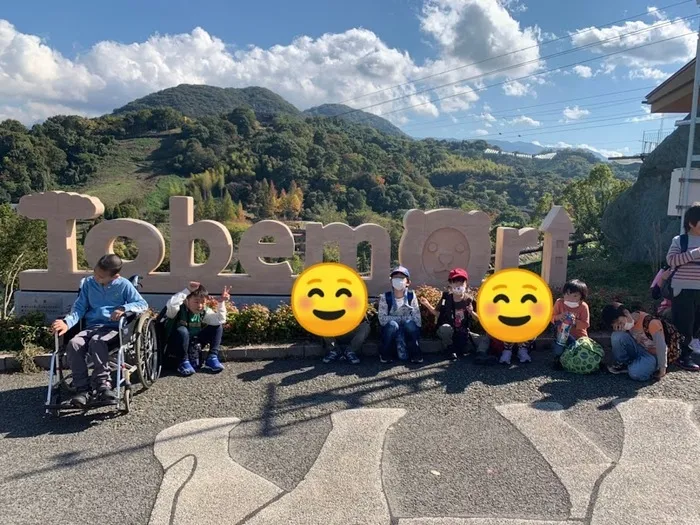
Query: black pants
x=180, y=341
x=685, y=309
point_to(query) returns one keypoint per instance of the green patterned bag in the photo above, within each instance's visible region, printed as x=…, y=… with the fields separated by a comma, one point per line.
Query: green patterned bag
x=583, y=357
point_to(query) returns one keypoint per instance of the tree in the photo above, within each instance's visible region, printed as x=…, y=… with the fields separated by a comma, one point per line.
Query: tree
x=587, y=199
x=245, y=121
x=240, y=213
x=544, y=204
x=267, y=200
x=23, y=244
x=227, y=209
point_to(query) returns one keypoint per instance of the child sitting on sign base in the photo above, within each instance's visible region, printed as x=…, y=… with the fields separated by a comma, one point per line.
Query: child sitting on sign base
x=399, y=320
x=455, y=315
x=192, y=325
x=570, y=313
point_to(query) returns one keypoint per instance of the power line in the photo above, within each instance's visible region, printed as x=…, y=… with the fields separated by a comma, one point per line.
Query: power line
x=513, y=52
x=599, y=105
x=514, y=66
x=604, y=119
x=565, y=101
x=531, y=75
x=544, y=131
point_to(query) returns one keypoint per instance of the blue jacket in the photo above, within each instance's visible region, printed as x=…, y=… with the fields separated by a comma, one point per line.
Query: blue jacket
x=96, y=303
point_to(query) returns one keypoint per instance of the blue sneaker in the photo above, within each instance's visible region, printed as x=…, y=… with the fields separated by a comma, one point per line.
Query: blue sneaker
x=213, y=363
x=185, y=369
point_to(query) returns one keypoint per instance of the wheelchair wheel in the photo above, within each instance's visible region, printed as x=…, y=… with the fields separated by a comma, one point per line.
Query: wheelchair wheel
x=148, y=363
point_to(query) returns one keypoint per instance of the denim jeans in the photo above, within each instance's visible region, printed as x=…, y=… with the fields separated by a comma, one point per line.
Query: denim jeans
x=641, y=365
x=180, y=340
x=404, y=335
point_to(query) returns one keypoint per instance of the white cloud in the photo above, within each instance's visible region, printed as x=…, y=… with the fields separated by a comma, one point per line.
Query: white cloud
x=33, y=112
x=606, y=69
x=575, y=113
x=488, y=117
x=526, y=121
x=654, y=11
x=583, y=71
x=648, y=73
x=602, y=151
x=516, y=89
x=481, y=132
x=645, y=118
x=672, y=51
x=605, y=152
x=307, y=71
x=516, y=6
x=477, y=30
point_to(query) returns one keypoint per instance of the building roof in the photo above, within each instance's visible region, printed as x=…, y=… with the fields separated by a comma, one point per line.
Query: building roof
x=675, y=94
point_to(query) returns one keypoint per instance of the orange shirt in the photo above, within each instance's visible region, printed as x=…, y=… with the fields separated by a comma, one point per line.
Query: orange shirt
x=637, y=331
x=583, y=317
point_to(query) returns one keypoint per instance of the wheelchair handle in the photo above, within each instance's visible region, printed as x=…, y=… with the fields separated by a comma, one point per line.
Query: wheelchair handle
x=136, y=281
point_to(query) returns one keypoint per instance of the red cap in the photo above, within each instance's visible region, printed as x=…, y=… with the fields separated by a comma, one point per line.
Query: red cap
x=457, y=273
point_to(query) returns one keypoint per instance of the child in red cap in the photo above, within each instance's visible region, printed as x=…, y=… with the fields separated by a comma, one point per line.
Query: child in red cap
x=455, y=317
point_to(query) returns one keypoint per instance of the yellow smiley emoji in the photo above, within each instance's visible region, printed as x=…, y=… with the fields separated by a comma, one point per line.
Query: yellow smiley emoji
x=514, y=305
x=329, y=299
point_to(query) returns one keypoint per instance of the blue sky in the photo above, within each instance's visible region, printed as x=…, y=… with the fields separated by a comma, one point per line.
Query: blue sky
x=89, y=57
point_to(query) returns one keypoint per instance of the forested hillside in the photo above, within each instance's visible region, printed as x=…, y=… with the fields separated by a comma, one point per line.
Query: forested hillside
x=292, y=167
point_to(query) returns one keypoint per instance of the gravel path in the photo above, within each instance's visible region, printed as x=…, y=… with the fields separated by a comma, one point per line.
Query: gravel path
x=454, y=453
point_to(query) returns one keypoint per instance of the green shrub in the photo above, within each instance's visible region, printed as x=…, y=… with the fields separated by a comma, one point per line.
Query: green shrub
x=30, y=330
x=433, y=296
x=283, y=324
x=251, y=324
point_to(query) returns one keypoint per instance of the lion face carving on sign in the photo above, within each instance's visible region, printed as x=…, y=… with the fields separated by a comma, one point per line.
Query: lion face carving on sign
x=436, y=241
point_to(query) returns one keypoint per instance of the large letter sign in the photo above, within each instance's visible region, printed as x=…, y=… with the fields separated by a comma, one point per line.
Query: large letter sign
x=432, y=243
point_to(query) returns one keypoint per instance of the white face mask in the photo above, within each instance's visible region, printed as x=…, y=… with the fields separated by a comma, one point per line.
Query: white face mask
x=460, y=289
x=571, y=304
x=629, y=325
x=398, y=283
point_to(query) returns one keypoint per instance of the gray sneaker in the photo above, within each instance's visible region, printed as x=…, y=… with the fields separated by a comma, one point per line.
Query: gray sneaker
x=80, y=399
x=352, y=357
x=331, y=356
x=617, y=368
x=106, y=393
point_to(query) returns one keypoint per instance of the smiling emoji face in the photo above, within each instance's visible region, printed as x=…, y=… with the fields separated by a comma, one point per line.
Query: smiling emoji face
x=514, y=305
x=329, y=299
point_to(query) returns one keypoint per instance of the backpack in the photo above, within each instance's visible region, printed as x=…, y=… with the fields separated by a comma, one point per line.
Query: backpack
x=673, y=337
x=582, y=357
x=390, y=299
x=666, y=286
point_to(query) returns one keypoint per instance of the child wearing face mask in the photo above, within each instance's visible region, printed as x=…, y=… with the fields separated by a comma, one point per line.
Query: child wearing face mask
x=455, y=317
x=573, y=302
x=399, y=320
x=638, y=341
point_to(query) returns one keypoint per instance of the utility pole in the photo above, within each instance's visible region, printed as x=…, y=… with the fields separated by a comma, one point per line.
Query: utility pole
x=685, y=181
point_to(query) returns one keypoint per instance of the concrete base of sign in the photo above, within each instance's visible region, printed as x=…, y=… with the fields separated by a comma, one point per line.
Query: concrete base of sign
x=57, y=304
x=308, y=349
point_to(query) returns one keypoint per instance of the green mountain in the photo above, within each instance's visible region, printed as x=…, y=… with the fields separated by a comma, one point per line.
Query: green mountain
x=197, y=101
x=356, y=117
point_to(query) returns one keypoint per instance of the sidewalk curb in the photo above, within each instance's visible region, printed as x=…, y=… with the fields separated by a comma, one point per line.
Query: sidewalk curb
x=296, y=350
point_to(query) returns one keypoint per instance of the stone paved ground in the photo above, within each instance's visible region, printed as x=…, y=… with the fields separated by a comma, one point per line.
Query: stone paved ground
x=296, y=441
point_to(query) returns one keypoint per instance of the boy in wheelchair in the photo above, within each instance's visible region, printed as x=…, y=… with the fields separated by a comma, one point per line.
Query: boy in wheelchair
x=191, y=325
x=102, y=300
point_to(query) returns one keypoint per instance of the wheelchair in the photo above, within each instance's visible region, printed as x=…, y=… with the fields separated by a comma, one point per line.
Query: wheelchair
x=135, y=350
